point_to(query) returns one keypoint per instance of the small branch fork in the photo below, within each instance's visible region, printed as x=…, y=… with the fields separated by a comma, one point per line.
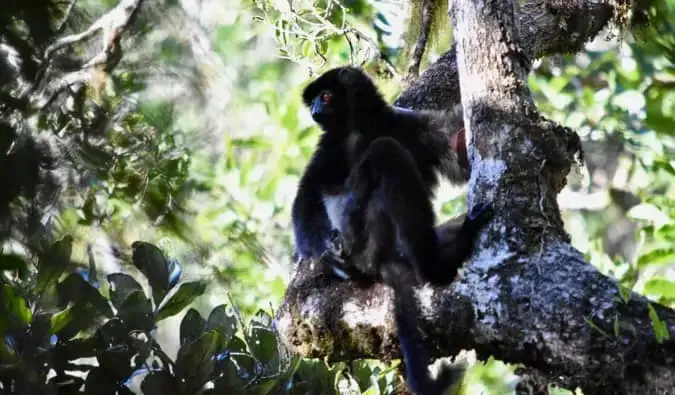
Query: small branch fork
x=112, y=26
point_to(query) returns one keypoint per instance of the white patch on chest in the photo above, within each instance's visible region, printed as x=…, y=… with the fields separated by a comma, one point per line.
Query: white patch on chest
x=335, y=208
x=335, y=203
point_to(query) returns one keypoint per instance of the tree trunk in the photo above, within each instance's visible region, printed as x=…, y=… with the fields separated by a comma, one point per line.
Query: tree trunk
x=526, y=296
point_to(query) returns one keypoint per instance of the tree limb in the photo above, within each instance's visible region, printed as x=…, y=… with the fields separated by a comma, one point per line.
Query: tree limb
x=112, y=25
x=548, y=27
x=526, y=296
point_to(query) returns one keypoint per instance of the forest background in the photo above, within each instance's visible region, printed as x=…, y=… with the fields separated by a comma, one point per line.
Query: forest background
x=179, y=124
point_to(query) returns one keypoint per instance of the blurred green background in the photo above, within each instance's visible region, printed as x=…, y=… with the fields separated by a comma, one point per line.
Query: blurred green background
x=195, y=141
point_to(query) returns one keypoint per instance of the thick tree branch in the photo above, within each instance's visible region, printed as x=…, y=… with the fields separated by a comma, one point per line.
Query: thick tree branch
x=548, y=27
x=526, y=296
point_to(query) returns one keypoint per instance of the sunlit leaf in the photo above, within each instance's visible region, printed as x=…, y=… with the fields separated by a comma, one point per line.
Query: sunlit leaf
x=658, y=256
x=187, y=292
x=61, y=319
x=14, y=306
x=661, y=287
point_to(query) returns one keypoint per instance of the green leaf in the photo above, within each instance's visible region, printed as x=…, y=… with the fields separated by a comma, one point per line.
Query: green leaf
x=234, y=376
x=236, y=344
x=224, y=319
x=14, y=306
x=660, y=287
x=76, y=349
x=667, y=232
x=195, y=363
x=75, y=289
x=262, y=319
x=191, y=327
x=263, y=344
x=82, y=316
x=59, y=320
x=659, y=256
x=187, y=292
x=136, y=312
x=660, y=327
x=121, y=286
x=151, y=262
x=53, y=262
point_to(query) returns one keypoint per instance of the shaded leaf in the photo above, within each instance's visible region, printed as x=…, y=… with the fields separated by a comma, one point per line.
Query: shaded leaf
x=158, y=383
x=115, y=353
x=222, y=318
x=136, y=312
x=187, y=292
x=76, y=289
x=98, y=382
x=53, y=262
x=83, y=317
x=234, y=376
x=151, y=262
x=93, y=275
x=66, y=383
x=64, y=352
x=121, y=286
x=236, y=344
x=191, y=327
x=263, y=344
x=13, y=262
x=194, y=362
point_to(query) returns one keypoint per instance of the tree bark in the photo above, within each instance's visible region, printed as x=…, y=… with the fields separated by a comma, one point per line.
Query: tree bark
x=526, y=296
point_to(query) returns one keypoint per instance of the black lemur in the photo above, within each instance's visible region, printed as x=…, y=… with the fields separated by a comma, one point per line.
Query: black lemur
x=347, y=105
x=371, y=179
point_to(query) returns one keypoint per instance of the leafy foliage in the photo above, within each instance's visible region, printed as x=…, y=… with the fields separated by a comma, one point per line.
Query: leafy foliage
x=68, y=318
x=101, y=341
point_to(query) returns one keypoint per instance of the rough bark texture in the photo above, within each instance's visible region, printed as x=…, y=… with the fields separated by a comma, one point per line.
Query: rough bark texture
x=526, y=296
x=548, y=27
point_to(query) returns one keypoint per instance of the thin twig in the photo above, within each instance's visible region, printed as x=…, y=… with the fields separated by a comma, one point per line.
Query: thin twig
x=421, y=44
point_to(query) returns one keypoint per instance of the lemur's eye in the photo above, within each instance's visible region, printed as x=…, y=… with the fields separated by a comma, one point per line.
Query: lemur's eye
x=326, y=96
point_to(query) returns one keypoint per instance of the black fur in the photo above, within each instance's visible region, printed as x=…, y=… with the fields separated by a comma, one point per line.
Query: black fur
x=389, y=234
x=384, y=163
x=359, y=116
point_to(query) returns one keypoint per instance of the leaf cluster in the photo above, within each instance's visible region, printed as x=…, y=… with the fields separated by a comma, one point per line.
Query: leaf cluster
x=65, y=330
